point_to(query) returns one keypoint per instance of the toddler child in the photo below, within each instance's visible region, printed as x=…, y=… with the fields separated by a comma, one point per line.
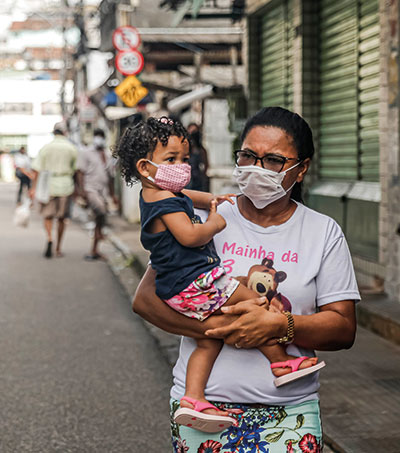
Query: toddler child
x=189, y=276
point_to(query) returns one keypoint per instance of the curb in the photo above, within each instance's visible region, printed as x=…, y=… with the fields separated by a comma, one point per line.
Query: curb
x=381, y=316
x=136, y=267
x=128, y=254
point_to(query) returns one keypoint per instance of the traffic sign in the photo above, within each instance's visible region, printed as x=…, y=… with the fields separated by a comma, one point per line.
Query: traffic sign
x=129, y=62
x=131, y=91
x=126, y=38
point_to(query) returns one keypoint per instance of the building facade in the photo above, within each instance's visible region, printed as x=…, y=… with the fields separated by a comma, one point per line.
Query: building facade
x=336, y=63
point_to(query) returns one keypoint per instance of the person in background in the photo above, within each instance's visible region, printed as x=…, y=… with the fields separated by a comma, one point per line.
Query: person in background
x=58, y=158
x=95, y=182
x=23, y=171
x=198, y=160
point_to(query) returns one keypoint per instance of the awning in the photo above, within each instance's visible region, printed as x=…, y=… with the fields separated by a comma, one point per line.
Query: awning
x=183, y=101
x=203, y=35
x=116, y=113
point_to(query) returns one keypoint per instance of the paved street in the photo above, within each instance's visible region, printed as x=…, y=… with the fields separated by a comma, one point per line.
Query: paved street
x=78, y=371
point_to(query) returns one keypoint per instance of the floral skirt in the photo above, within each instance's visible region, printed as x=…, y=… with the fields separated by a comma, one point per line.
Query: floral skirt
x=266, y=429
x=205, y=295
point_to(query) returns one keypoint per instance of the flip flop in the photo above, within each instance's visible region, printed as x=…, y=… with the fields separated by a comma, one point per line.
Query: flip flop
x=194, y=418
x=296, y=373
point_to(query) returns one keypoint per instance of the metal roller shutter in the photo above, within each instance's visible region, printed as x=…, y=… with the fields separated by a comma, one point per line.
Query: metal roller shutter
x=349, y=71
x=369, y=90
x=276, y=69
x=338, y=95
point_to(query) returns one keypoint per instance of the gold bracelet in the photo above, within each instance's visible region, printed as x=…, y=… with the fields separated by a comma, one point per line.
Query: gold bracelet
x=289, y=337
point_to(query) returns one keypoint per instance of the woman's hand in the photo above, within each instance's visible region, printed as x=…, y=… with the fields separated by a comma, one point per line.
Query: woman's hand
x=254, y=327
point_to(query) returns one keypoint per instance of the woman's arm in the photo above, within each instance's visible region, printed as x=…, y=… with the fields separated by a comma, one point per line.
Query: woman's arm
x=331, y=329
x=153, y=309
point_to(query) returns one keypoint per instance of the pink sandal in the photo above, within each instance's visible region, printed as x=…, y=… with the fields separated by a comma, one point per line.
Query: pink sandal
x=194, y=418
x=295, y=373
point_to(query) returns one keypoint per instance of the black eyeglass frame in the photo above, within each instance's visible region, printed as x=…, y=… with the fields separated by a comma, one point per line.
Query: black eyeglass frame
x=285, y=159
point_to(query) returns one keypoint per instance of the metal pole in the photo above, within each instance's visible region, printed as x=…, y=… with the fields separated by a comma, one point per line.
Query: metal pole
x=64, y=4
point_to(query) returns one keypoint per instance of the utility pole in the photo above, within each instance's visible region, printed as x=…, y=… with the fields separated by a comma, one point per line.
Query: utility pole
x=65, y=17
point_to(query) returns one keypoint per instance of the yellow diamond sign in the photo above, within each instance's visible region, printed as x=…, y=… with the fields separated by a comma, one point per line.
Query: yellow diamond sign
x=131, y=91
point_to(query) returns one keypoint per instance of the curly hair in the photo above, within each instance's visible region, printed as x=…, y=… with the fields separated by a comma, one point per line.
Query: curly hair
x=140, y=140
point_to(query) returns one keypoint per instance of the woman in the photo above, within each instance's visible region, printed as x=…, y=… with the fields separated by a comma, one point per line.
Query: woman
x=284, y=250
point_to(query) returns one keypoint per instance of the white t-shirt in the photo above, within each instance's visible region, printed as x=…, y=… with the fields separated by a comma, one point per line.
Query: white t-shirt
x=311, y=249
x=22, y=161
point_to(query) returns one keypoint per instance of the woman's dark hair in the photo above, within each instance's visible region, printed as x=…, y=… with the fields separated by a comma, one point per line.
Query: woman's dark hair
x=294, y=125
x=140, y=140
x=99, y=133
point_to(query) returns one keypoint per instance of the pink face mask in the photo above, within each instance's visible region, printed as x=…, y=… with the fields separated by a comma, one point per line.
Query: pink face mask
x=171, y=177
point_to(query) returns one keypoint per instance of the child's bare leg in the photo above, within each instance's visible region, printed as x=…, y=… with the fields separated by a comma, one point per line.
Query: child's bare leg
x=274, y=353
x=240, y=294
x=198, y=371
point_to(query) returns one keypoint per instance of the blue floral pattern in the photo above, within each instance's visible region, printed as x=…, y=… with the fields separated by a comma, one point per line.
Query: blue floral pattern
x=267, y=429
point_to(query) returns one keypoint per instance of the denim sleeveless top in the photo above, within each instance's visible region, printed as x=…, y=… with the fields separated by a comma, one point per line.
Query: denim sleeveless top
x=176, y=265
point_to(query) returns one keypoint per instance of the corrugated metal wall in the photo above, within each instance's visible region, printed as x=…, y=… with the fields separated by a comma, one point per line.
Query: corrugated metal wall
x=338, y=90
x=349, y=79
x=369, y=89
x=270, y=56
x=276, y=52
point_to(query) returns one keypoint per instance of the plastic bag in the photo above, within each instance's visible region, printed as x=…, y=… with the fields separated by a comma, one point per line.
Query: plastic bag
x=42, y=193
x=22, y=214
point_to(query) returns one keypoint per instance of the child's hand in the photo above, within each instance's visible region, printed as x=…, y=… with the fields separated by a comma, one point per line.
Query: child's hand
x=225, y=197
x=214, y=217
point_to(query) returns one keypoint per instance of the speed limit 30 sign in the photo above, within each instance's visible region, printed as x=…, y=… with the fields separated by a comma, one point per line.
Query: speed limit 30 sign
x=129, y=62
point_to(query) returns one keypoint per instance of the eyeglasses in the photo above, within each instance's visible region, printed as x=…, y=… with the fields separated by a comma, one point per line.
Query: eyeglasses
x=273, y=162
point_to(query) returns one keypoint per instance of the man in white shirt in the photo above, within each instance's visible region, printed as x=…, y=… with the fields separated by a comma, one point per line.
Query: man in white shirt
x=23, y=172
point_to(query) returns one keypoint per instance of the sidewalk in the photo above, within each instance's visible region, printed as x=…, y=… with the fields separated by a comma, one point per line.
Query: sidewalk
x=360, y=387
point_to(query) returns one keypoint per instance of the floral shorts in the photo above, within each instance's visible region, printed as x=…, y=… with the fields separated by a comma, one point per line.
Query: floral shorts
x=205, y=295
x=266, y=429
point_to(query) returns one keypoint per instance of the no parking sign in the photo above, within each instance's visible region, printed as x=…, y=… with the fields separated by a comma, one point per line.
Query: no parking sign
x=126, y=38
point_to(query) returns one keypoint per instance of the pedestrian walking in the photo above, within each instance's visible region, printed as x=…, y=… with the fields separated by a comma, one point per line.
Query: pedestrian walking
x=198, y=160
x=23, y=171
x=272, y=243
x=96, y=181
x=57, y=160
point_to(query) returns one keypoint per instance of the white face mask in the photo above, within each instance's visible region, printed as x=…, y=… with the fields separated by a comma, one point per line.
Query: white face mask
x=260, y=185
x=99, y=142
